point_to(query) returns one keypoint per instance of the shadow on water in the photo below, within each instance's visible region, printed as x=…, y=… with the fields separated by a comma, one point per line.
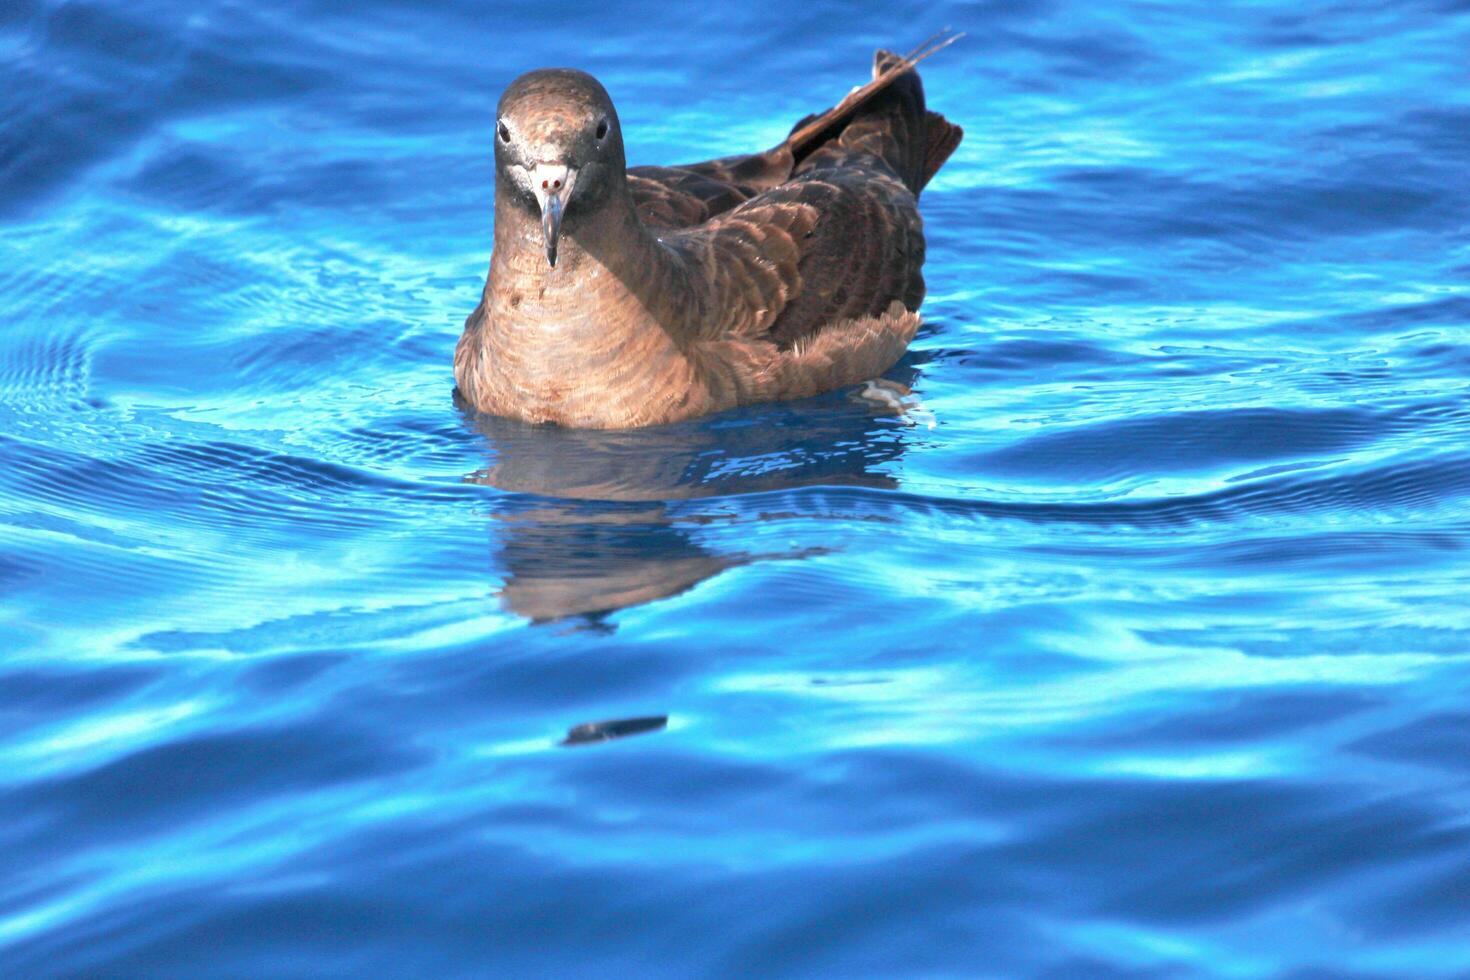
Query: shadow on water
x=592, y=524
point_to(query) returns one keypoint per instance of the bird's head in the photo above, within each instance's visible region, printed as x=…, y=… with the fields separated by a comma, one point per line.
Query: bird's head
x=558, y=147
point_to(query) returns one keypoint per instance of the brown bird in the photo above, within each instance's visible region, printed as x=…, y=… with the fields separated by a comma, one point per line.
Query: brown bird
x=620, y=298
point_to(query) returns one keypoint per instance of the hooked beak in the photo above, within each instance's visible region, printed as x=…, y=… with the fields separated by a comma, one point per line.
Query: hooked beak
x=552, y=184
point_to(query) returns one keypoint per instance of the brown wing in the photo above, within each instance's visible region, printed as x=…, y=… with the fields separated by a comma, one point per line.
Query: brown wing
x=690, y=194
x=839, y=243
x=790, y=249
x=866, y=252
x=745, y=266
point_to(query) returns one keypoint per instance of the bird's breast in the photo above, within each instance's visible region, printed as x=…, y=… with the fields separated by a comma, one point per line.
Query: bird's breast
x=586, y=353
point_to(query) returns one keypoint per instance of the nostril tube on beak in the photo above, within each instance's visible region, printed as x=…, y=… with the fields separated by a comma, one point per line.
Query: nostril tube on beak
x=552, y=184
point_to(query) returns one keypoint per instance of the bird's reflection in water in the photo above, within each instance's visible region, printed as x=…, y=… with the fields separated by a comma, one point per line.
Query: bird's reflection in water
x=593, y=520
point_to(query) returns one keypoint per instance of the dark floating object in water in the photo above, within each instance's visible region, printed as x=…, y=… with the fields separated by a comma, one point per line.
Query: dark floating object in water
x=602, y=731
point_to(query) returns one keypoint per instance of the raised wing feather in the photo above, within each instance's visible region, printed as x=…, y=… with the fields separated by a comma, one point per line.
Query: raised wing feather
x=685, y=195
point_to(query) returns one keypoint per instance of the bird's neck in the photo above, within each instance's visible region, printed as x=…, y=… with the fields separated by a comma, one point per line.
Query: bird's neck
x=587, y=341
x=607, y=243
x=611, y=275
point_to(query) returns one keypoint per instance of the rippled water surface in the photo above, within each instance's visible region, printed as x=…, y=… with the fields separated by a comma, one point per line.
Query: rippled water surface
x=1142, y=648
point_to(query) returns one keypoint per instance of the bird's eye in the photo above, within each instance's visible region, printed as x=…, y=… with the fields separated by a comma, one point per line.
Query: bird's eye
x=601, y=128
x=504, y=133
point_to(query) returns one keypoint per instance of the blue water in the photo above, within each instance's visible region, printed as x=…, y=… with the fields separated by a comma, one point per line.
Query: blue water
x=1140, y=646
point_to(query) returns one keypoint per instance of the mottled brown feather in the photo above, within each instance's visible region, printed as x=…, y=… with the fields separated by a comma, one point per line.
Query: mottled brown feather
x=695, y=288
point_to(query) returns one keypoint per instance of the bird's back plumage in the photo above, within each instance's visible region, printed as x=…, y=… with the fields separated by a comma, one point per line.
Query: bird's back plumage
x=773, y=275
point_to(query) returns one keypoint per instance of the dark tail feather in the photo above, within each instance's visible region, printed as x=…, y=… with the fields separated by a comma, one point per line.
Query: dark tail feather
x=886, y=63
x=943, y=137
x=891, y=110
x=815, y=130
